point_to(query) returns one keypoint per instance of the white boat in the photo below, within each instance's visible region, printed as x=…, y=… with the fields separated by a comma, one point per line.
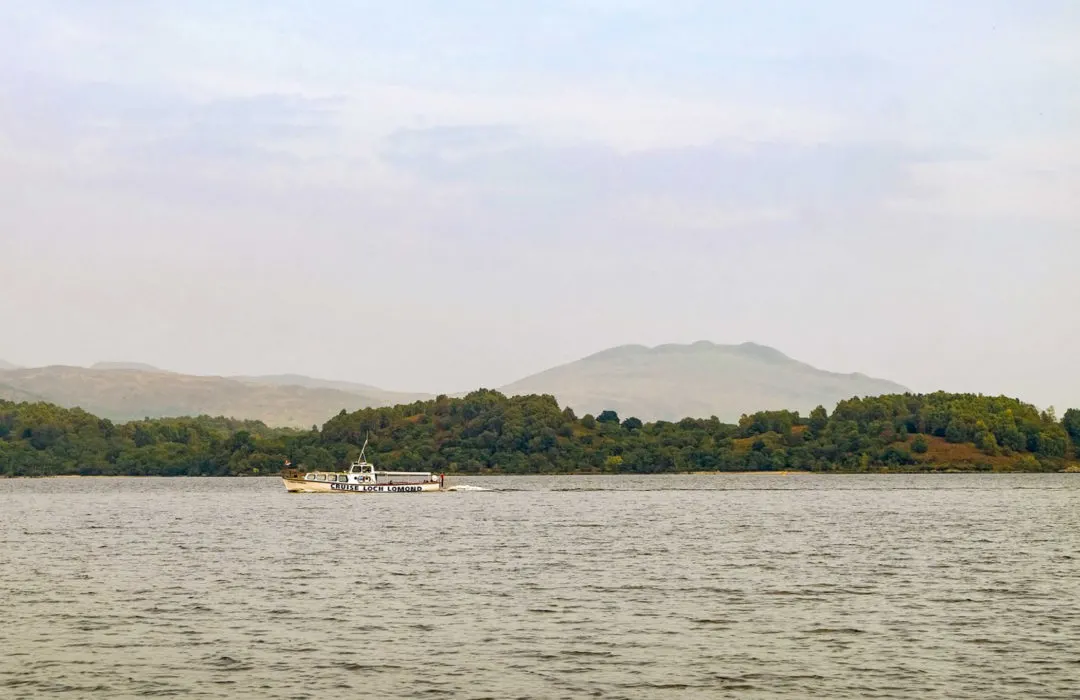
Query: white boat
x=362, y=477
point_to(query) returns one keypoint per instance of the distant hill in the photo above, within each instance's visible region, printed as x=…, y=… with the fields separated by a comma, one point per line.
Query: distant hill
x=126, y=365
x=670, y=382
x=315, y=383
x=15, y=394
x=125, y=394
x=7, y=365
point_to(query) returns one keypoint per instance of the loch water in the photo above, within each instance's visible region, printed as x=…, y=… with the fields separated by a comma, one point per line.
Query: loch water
x=711, y=586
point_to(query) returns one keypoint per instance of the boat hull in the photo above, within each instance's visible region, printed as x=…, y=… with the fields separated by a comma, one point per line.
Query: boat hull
x=304, y=486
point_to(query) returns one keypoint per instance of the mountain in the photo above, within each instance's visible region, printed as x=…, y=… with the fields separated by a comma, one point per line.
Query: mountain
x=142, y=366
x=11, y=393
x=127, y=394
x=7, y=365
x=670, y=382
x=314, y=383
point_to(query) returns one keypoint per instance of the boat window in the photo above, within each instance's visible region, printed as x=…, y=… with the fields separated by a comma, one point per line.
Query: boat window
x=342, y=477
x=309, y=477
x=321, y=477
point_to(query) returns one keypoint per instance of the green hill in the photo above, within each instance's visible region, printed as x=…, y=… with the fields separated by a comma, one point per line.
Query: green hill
x=670, y=382
x=487, y=432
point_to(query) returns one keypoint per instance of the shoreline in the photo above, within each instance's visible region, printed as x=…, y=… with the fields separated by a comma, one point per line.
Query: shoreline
x=789, y=472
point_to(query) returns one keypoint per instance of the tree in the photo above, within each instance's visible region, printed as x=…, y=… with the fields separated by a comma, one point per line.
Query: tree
x=489, y=432
x=986, y=442
x=613, y=463
x=897, y=456
x=1071, y=422
x=608, y=417
x=142, y=437
x=984, y=439
x=1052, y=442
x=768, y=422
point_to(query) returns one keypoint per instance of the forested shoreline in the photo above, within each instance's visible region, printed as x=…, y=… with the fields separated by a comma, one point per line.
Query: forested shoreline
x=486, y=432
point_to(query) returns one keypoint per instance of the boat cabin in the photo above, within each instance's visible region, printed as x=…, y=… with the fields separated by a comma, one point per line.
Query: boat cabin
x=364, y=473
x=361, y=472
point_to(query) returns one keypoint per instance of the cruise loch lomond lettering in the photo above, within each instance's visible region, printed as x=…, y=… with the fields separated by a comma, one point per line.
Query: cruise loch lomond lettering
x=362, y=477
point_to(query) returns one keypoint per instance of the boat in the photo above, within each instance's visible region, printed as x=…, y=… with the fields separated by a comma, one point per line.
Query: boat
x=362, y=477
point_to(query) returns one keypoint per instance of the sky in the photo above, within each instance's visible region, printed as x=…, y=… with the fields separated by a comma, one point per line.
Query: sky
x=434, y=196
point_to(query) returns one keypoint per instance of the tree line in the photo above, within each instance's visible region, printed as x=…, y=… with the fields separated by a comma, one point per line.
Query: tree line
x=486, y=432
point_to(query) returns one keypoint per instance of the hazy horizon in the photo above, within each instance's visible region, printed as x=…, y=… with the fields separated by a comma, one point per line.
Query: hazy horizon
x=135, y=364
x=432, y=198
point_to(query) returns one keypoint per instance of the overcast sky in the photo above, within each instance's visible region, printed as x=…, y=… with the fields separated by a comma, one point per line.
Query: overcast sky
x=438, y=196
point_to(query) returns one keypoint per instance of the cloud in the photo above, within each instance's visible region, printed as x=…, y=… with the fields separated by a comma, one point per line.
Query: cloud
x=64, y=115
x=105, y=137
x=449, y=143
x=496, y=161
x=912, y=164
x=1031, y=181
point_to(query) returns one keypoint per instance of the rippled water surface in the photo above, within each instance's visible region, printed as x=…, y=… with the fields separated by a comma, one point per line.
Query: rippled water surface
x=960, y=586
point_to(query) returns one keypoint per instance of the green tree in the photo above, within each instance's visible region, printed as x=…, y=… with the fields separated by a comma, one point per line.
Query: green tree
x=987, y=443
x=613, y=463
x=954, y=432
x=142, y=436
x=487, y=432
x=1071, y=423
x=608, y=417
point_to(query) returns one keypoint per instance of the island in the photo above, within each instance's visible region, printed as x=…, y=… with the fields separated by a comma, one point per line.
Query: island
x=487, y=432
